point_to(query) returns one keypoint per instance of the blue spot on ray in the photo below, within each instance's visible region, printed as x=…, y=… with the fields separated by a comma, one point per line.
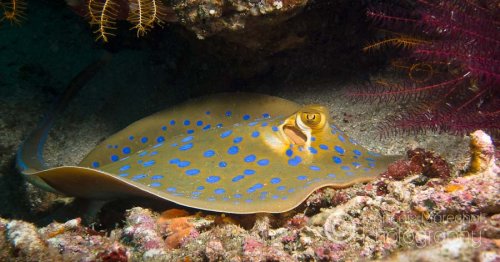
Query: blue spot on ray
x=249, y=172
x=238, y=140
x=155, y=184
x=156, y=177
x=324, y=147
x=186, y=147
x=255, y=134
x=219, y=191
x=174, y=161
x=313, y=150
x=233, y=150
x=114, y=158
x=314, y=168
x=187, y=139
x=337, y=160
x=275, y=180
x=294, y=161
x=246, y=117
x=144, y=139
x=126, y=150
x=140, y=176
x=289, y=153
x=222, y=164
x=226, y=133
x=250, y=158
x=199, y=123
x=263, y=162
x=149, y=163
x=184, y=164
x=160, y=139
x=95, y=164
x=255, y=187
x=125, y=168
x=172, y=122
x=213, y=179
x=209, y=153
x=357, y=152
x=302, y=177
x=339, y=150
x=237, y=178
x=187, y=122
x=192, y=172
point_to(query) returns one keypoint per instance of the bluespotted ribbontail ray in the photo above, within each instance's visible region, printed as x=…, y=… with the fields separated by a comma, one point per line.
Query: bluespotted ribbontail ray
x=235, y=153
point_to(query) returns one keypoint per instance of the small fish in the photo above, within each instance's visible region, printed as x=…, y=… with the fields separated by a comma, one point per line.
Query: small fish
x=235, y=153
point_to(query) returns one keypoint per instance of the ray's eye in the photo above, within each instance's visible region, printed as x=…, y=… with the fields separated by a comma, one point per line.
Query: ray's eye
x=312, y=119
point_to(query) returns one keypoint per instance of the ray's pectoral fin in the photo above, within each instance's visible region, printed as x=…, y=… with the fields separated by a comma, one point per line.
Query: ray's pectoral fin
x=88, y=183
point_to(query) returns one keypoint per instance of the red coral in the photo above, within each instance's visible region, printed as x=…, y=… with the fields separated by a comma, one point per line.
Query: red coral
x=458, y=45
x=429, y=164
x=339, y=198
x=298, y=221
x=418, y=161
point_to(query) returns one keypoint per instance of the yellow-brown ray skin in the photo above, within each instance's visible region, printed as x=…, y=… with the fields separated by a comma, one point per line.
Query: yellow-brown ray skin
x=194, y=110
x=105, y=186
x=272, y=144
x=108, y=180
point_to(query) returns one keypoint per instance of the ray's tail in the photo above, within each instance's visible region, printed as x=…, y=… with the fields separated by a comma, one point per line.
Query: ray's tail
x=29, y=158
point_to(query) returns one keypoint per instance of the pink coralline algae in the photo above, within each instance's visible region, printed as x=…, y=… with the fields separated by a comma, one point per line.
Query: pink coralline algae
x=143, y=232
x=255, y=250
x=330, y=252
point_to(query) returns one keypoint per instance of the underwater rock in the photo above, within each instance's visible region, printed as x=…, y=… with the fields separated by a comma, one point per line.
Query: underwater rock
x=23, y=241
x=68, y=241
x=207, y=18
x=456, y=249
x=472, y=194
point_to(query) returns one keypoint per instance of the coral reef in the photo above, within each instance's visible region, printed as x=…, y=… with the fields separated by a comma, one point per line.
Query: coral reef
x=454, y=73
x=444, y=216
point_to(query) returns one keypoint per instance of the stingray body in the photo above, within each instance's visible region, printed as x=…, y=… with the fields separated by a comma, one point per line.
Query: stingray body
x=235, y=153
